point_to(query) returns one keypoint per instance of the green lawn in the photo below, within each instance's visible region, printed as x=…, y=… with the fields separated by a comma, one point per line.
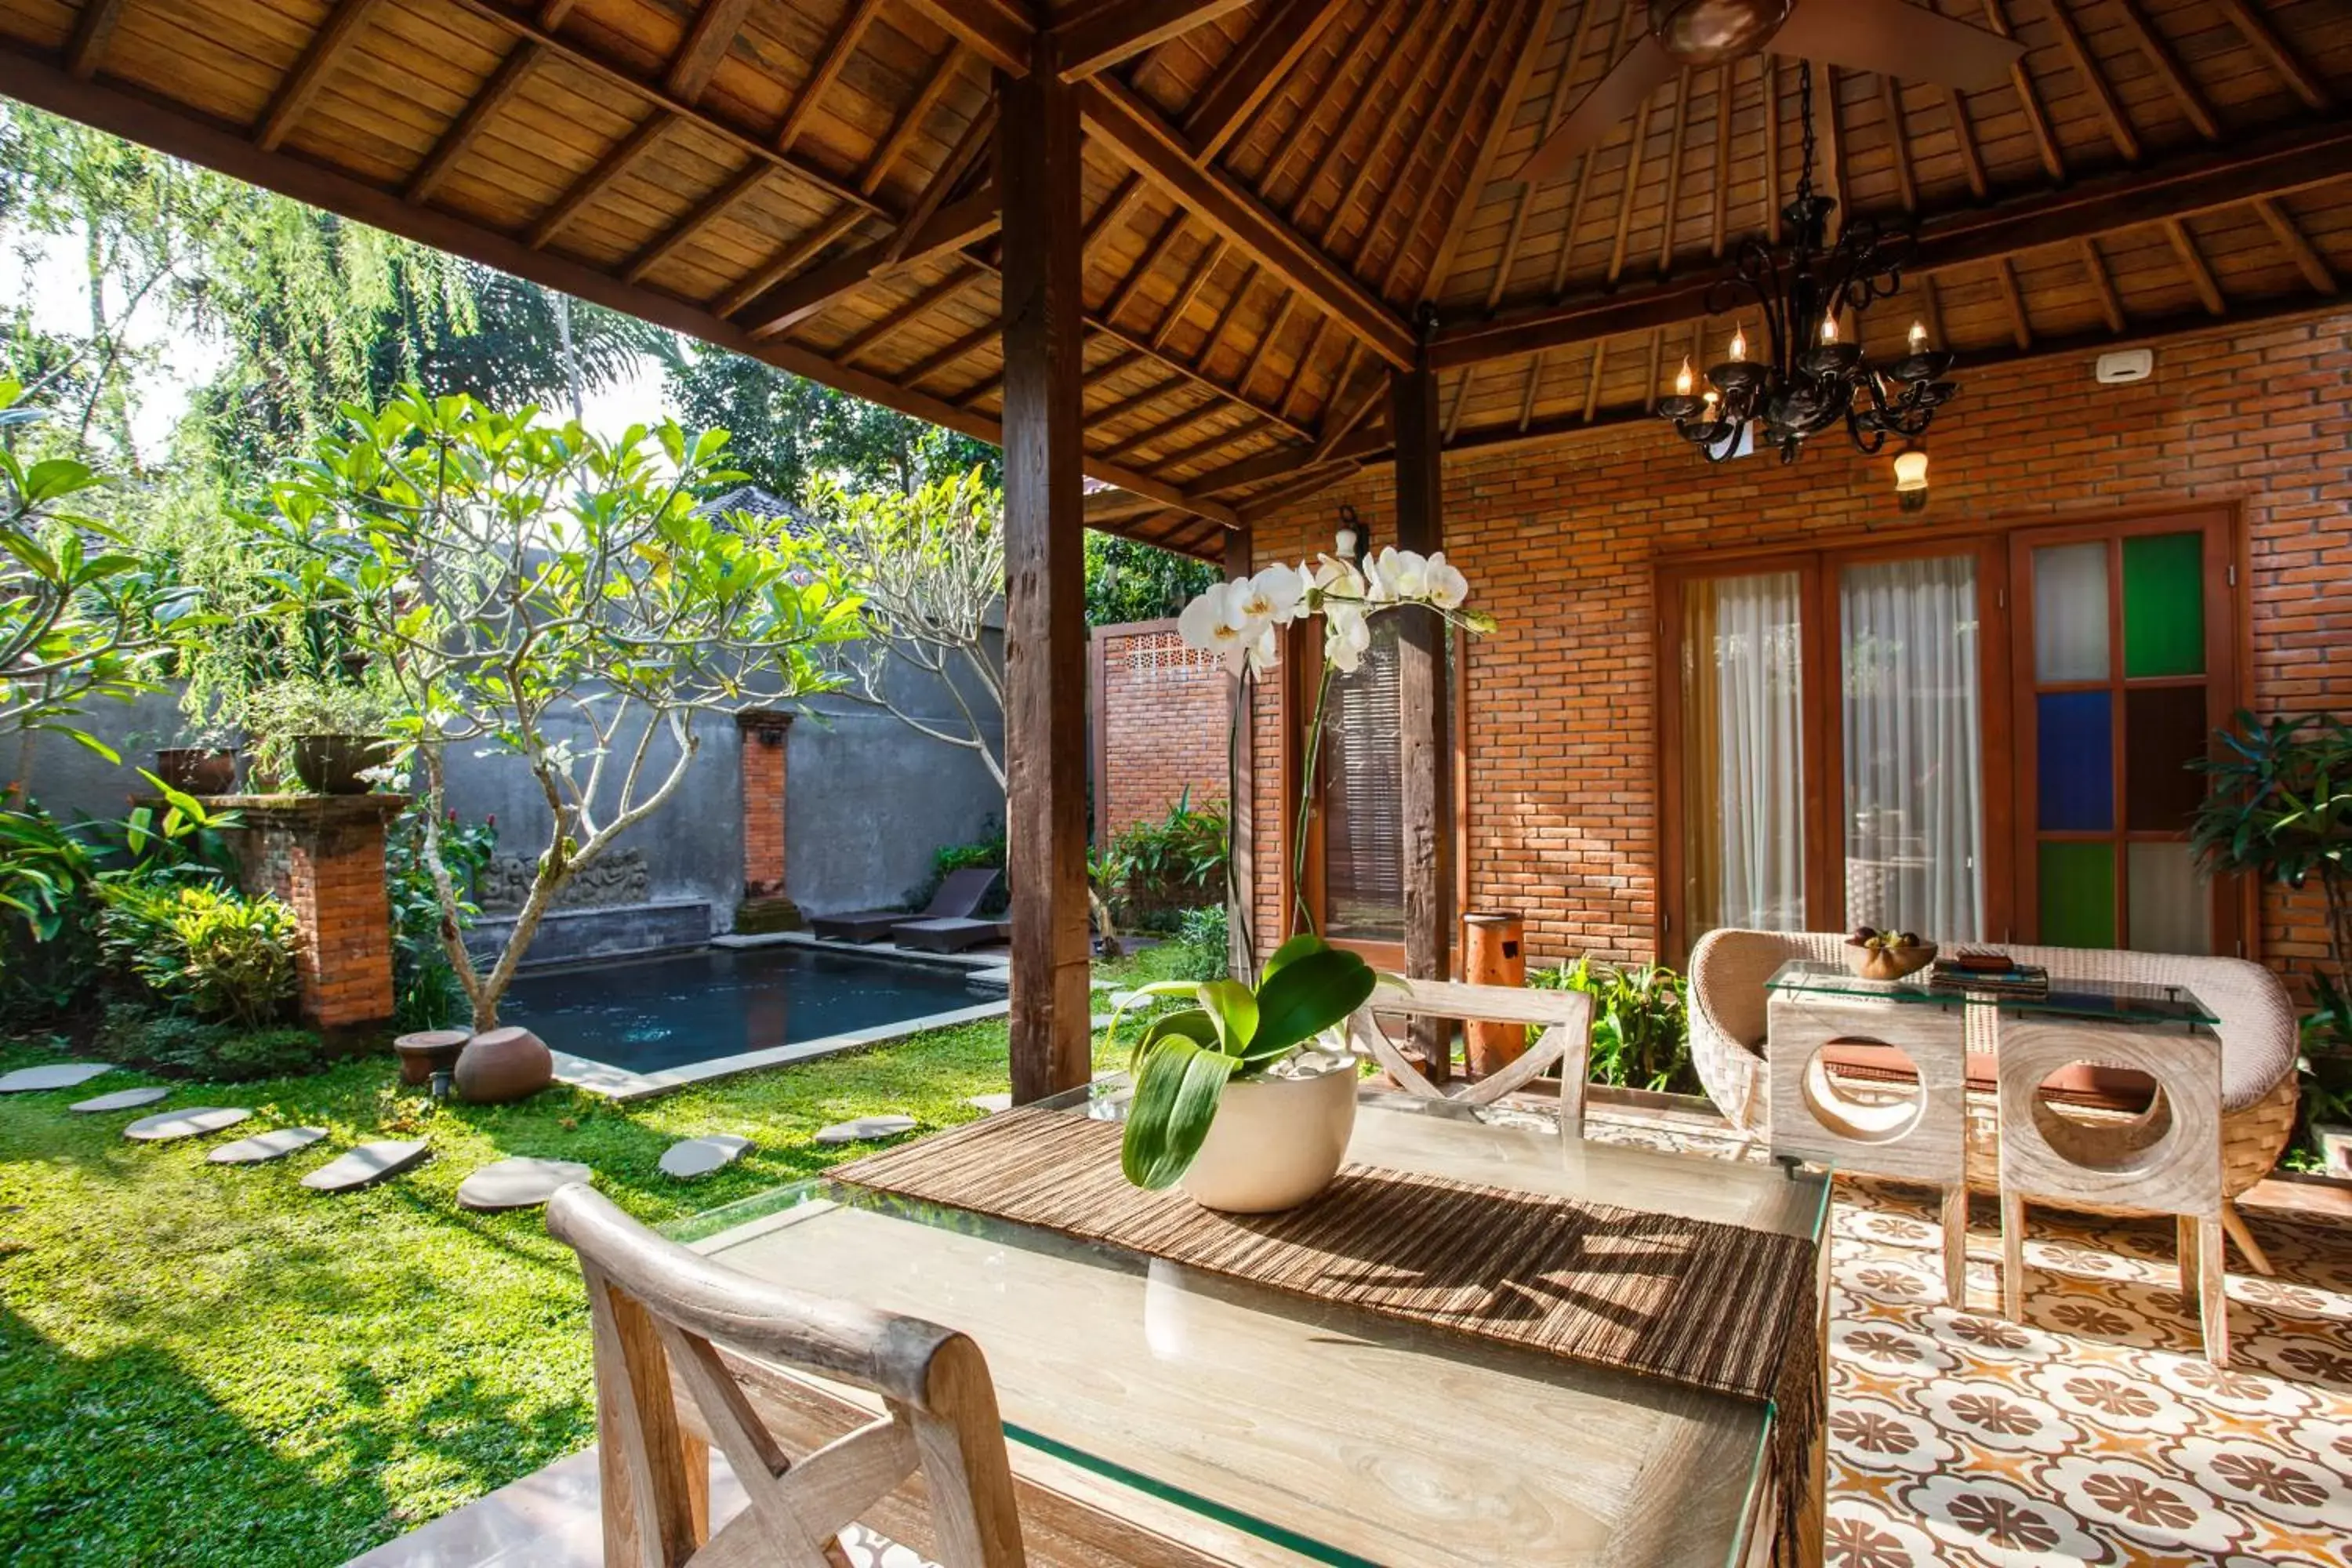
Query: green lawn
x=209, y=1365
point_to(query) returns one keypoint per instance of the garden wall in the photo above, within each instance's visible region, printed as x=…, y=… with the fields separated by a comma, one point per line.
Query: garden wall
x=1558, y=538
x=1161, y=724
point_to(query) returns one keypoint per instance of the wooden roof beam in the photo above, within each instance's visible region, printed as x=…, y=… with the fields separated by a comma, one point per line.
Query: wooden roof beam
x=1250, y=73
x=230, y=150
x=787, y=262
x=93, y=31
x=1553, y=109
x=898, y=318
x=1096, y=38
x=2307, y=260
x=295, y=94
x=520, y=61
x=648, y=136
x=788, y=305
x=706, y=42
x=998, y=31
x=1512, y=89
x=2037, y=120
x=1153, y=149
x=837, y=51
x=2205, y=181
x=2256, y=30
x=887, y=157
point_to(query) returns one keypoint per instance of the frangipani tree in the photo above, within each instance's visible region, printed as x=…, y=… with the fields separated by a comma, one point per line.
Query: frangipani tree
x=518, y=582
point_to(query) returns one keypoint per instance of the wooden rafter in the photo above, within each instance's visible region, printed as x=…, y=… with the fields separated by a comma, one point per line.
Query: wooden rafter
x=1153, y=149
x=1511, y=87
x=296, y=93
x=2029, y=99
x=93, y=31
x=1443, y=132
x=2167, y=70
x=2256, y=30
x=2094, y=267
x=1627, y=197
x=1253, y=70
x=2020, y=327
x=2300, y=251
x=2201, y=182
x=1675, y=154
x=1554, y=108
x=1719, y=215
x=2192, y=263
x=944, y=181
x=837, y=51
x=483, y=107
x=650, y=133
x=1098, y=37
x=959, y=277
x=1964, y=141
x=706, y=45
x=1769, y=176
x=998, y=31
x=1899, y=140
x=1385, y=129
x=2095, y=82
x=953, y=227
x=787, y=262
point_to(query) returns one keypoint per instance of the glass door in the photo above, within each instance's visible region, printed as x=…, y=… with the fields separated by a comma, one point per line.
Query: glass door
x=1742, y=774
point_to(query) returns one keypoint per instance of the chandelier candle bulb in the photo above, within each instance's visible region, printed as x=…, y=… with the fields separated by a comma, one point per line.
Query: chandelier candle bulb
x=1829, y=329
x=1919, y=337
x=1739, y=343
x=1683, y=380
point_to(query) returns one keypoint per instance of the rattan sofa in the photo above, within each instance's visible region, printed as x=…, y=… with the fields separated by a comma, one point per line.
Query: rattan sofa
x=2258, y=1032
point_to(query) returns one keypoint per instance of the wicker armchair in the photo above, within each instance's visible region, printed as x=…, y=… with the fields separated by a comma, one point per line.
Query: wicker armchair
x=2258, y=1032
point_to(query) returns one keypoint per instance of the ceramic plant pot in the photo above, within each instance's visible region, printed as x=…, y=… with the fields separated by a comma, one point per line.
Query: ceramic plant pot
x=198, y=770
x=1277, y=1142
x=331, y=764
x=503, y=1064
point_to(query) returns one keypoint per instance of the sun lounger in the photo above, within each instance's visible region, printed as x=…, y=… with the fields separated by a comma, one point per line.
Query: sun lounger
x=950, y=936
x=958, y=897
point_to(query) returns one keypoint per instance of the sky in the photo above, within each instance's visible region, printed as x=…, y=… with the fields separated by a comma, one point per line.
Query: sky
x=46, y=272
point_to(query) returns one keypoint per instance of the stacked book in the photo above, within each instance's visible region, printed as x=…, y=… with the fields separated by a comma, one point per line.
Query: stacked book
x=1988, y=974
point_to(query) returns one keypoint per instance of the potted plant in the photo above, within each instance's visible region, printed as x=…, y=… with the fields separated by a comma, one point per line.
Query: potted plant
x=1248, y=1096
x=328, y=733
x=202, y=762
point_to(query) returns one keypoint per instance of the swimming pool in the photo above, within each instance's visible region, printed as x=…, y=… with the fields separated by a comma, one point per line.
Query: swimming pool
x=657, y=1023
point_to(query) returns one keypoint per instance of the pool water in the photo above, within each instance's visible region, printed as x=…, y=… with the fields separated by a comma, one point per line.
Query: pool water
x=649, y=1014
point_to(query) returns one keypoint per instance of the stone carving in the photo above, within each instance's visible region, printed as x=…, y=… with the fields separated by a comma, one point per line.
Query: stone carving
x=619, y=878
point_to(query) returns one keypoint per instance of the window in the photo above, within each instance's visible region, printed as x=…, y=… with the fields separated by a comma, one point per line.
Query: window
x=1844, y=744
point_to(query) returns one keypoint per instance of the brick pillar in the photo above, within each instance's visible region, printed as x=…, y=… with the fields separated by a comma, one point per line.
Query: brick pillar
x=765, y=906
x=324, y=855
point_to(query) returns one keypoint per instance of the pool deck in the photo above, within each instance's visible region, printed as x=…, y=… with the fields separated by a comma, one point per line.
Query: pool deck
x=985, y=968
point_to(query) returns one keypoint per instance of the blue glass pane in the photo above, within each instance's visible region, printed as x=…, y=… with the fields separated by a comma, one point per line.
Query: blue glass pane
x=2076, y=761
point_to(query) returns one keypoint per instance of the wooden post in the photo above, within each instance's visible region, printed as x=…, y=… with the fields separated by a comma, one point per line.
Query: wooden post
x=1420, y=680
x=1037, y=173
x=1240, y=901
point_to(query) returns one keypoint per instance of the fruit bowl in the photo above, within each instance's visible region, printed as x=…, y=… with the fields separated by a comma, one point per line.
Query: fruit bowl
x=1888, y=962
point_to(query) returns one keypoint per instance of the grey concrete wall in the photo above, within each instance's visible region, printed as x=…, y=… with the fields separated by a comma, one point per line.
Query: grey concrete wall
x=867, y=801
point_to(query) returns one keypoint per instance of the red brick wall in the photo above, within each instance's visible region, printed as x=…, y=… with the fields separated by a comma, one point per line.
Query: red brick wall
x=1560, y=539
x=324, y=855
x=1162, y=724
x=764, y=754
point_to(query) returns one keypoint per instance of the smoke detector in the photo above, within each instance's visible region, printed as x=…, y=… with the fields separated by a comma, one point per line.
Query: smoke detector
x=2126, y=364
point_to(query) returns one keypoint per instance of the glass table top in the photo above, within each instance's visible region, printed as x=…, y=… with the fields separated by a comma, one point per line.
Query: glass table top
x=1296, y=1430
x=2103, y=1000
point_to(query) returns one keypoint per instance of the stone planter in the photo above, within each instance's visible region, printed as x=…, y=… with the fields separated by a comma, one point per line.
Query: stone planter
x=1277, y=1142
x=504, y=1064
x=331, y=764
x=198, y=770
x=426, y=1052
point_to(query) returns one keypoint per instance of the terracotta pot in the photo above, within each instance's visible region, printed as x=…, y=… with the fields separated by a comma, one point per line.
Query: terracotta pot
x=504, y=1064
x=198, y=769
x=1277, y=1142
x=426, y=1052
x=331, y=764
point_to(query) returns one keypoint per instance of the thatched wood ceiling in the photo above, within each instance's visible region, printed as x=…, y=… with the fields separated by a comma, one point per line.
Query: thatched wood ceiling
x=1275, y=190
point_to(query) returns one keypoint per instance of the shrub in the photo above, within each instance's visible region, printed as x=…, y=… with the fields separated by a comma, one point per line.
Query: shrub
x=425, y=990
x=1197, y=950
x=204, y=950
x=1167, y=866
x=1641, y=1023
x=224, y=1053
x=988, y=850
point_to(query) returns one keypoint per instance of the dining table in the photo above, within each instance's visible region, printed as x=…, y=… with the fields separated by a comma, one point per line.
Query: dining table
x=1158, y=1414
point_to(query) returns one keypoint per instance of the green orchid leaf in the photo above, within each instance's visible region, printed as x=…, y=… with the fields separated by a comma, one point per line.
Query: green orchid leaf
x=1310, y=996
x=1233, y=1009
x=1176, y=1096
x=1140, y=994
x=1291, y=952
x=1189, y=1022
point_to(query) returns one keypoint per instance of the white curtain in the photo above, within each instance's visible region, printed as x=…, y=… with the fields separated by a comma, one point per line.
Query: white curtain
x=1743, y=757
x=1914, y=768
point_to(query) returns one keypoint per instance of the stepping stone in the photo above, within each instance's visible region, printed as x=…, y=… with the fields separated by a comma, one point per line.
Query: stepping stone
x=518, y=1184
x=366, y=1166
x=691, y=1157
x=990, y=1104
x=170, y=1125
x=52, y=1075
x=120, y=1100
x=263, y=1146
x=867, y=1127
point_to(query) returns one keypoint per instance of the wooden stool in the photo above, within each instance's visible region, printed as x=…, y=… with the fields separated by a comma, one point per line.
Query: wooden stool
x=2167, y=1159
x=429, y=1051
x=1921, y=1140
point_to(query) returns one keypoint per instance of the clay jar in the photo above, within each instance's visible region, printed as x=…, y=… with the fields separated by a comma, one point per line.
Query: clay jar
x=503, y=1064
x=426, y=1052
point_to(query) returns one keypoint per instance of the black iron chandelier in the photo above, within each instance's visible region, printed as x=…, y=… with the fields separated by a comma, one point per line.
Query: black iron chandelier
x=1811, y=376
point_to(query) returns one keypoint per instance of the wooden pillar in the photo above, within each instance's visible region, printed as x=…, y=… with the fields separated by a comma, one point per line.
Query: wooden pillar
x=1037, y=176
x=1241, y=900
x=1420, y=679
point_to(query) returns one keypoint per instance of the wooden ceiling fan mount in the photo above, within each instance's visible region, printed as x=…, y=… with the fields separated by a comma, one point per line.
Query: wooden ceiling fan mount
x=1709, y=32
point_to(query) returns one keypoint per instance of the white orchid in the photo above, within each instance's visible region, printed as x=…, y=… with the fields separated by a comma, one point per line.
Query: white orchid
x=1445, y=586
x=1217, y=622
x=1239, y=621
x=1347, y=634
x=1273, y=597
x=1399, y=576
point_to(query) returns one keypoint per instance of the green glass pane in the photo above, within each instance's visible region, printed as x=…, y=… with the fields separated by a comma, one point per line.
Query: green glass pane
x=2078, y=895
x=2164, y=605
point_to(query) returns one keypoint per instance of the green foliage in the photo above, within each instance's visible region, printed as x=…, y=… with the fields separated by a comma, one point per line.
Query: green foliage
x=788, y=432
x=1183, y=1060
x=425, y=990
x=987, y=850
x=217, y=1052
x=1129, y=581
x=1157, y=868
x=1641, y=1023
x=1198, y=949
x=204, y=950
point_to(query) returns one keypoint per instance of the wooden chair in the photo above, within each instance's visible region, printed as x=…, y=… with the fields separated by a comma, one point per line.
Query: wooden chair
x=1564, y=1016
x=661, y=1316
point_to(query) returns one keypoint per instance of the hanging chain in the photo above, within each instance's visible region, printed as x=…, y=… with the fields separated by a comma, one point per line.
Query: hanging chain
x=1805, y=120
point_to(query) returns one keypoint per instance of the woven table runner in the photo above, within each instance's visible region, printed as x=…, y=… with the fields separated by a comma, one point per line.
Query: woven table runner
x=1705, y=1305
